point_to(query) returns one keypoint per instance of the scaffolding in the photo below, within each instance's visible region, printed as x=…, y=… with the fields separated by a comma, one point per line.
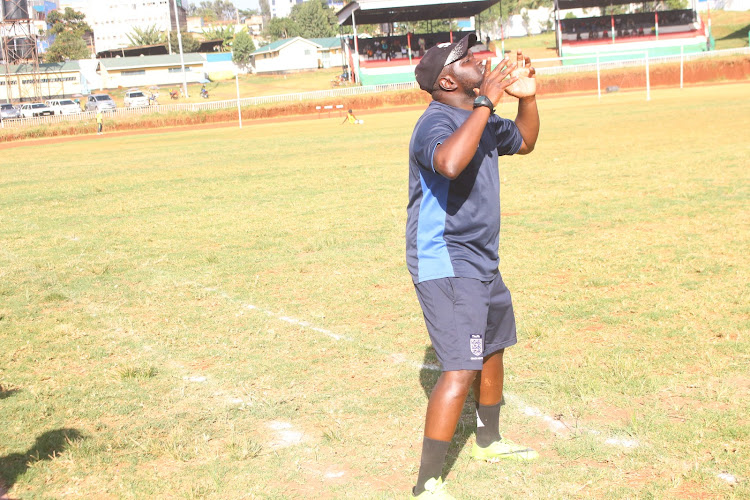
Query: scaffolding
x=20, y=52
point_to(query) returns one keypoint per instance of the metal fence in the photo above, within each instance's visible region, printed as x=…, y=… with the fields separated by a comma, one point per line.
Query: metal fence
x=355, y=90
x=637, y=60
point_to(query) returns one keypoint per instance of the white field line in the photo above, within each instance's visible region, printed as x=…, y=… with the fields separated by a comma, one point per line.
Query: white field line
x=556, y=425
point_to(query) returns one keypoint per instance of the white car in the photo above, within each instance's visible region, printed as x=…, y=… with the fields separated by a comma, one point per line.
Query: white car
x=63, y=106
x=32, y=109
x=135, y=98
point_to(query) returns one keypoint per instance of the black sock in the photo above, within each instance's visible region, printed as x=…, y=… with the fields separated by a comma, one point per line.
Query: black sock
x=433, y=459
x=488, y=424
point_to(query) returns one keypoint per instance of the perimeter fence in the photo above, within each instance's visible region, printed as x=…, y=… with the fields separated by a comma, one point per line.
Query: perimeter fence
x=639, y=59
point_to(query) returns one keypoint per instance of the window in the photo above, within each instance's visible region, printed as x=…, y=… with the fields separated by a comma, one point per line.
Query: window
x=179, y=70
x=134, y=72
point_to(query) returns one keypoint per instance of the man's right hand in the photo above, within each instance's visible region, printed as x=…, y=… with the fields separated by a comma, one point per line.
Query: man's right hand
x=496, y=81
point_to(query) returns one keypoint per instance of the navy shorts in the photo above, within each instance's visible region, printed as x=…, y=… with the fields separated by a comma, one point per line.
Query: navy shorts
x=467, y=319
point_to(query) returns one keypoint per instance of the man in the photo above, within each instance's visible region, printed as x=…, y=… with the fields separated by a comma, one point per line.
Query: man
x=352, y=119
x=452, y=239
x=99, y=122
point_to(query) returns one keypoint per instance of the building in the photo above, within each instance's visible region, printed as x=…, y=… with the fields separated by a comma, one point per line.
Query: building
x=254, y=25
x=113, y=20
x=38, y=9
x=23, y=83
x=330, y=52
x=149, y=70
x=295, y=54
x=288, y=54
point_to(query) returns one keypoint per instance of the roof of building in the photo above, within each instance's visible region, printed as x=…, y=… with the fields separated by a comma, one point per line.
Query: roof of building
x=331, y=42
x=390, y=11
x=150, y=61
x=27, y=69
x=146, y=50
x=279, y=44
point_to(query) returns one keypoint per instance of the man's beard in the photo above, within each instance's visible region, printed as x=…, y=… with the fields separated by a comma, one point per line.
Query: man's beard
x=469, y=86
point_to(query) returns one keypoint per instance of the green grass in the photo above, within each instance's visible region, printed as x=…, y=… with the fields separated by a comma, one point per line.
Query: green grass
x=730, y=29
x=144, y=283
x=250, y=86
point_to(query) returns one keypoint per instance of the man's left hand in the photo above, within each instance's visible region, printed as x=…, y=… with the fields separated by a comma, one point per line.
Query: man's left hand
x=525, y=86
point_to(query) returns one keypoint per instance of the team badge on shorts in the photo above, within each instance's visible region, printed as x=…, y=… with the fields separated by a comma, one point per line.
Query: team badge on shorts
x=476, y=345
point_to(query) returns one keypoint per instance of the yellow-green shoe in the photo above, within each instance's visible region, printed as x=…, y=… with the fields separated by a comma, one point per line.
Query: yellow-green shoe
x=434, y=489
x=503, y=449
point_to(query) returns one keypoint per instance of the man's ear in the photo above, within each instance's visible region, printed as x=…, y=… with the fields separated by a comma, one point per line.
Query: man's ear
x=447, y=83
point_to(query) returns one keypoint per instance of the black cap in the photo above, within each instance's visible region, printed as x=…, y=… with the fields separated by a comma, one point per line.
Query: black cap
x=440, y=56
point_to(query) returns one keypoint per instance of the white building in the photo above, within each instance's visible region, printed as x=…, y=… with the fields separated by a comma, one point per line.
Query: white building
x=288, y=54
x=113, y=20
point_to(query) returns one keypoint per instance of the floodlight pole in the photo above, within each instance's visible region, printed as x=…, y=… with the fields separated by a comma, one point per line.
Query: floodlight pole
x=179, y=42
x=356, y=49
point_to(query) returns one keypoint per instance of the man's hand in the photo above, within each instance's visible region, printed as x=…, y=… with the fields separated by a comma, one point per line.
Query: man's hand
x=496, y=82
x=525, y=83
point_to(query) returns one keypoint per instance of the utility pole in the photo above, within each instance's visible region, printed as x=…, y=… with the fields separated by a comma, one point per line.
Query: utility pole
x=179, y=42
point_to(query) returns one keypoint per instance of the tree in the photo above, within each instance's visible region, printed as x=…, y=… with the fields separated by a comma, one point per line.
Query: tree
x=189, y=44
x=68, y=28
x=282, y=27
x=433, y=26
x=70, y=21
x=146, y=36
x=218, y=10
x=265, y=10
x=245, y=13
x=315, y=19
x=242, y=47
x=66, y=47
x=225, y=33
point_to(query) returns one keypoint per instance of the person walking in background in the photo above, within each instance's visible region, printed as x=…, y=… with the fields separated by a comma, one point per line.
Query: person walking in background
x=99, y=122
x=452, y=243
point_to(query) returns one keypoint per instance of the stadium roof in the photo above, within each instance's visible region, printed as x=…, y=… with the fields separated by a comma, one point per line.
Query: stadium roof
x=587, y=4
x=395, y=11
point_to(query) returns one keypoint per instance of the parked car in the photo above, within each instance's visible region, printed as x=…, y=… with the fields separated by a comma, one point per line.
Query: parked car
x=32, y=109
x=64, y=106
x=9, y=112
x=135, y=98
x=104, y=102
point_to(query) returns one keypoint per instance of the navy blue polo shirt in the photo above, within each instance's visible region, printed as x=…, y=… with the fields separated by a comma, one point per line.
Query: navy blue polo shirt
x=453, y=227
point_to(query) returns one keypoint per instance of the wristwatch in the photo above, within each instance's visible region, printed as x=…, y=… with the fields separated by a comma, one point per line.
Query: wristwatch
x=483, y=100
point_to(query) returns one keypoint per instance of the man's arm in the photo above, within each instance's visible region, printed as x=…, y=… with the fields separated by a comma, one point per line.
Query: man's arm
x=527, y=119
x=455, y=153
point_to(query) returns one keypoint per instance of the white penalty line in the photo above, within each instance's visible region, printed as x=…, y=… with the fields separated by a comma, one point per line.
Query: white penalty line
x=556, y=425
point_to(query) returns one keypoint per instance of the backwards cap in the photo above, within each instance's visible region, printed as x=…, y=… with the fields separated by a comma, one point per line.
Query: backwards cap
x=441, y=55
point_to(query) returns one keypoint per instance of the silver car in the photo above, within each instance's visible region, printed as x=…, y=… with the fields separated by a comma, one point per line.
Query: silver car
x=9, y=112
x=103, y=102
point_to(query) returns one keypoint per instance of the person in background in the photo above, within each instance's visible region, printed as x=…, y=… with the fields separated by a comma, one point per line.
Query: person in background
x=352, y=119
x=99, y=122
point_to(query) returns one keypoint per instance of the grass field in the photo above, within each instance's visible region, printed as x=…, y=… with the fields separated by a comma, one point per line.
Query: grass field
x=227, y=314
x=730, y=29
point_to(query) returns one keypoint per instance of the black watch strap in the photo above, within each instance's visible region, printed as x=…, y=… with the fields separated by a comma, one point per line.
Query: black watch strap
x=483, y=100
